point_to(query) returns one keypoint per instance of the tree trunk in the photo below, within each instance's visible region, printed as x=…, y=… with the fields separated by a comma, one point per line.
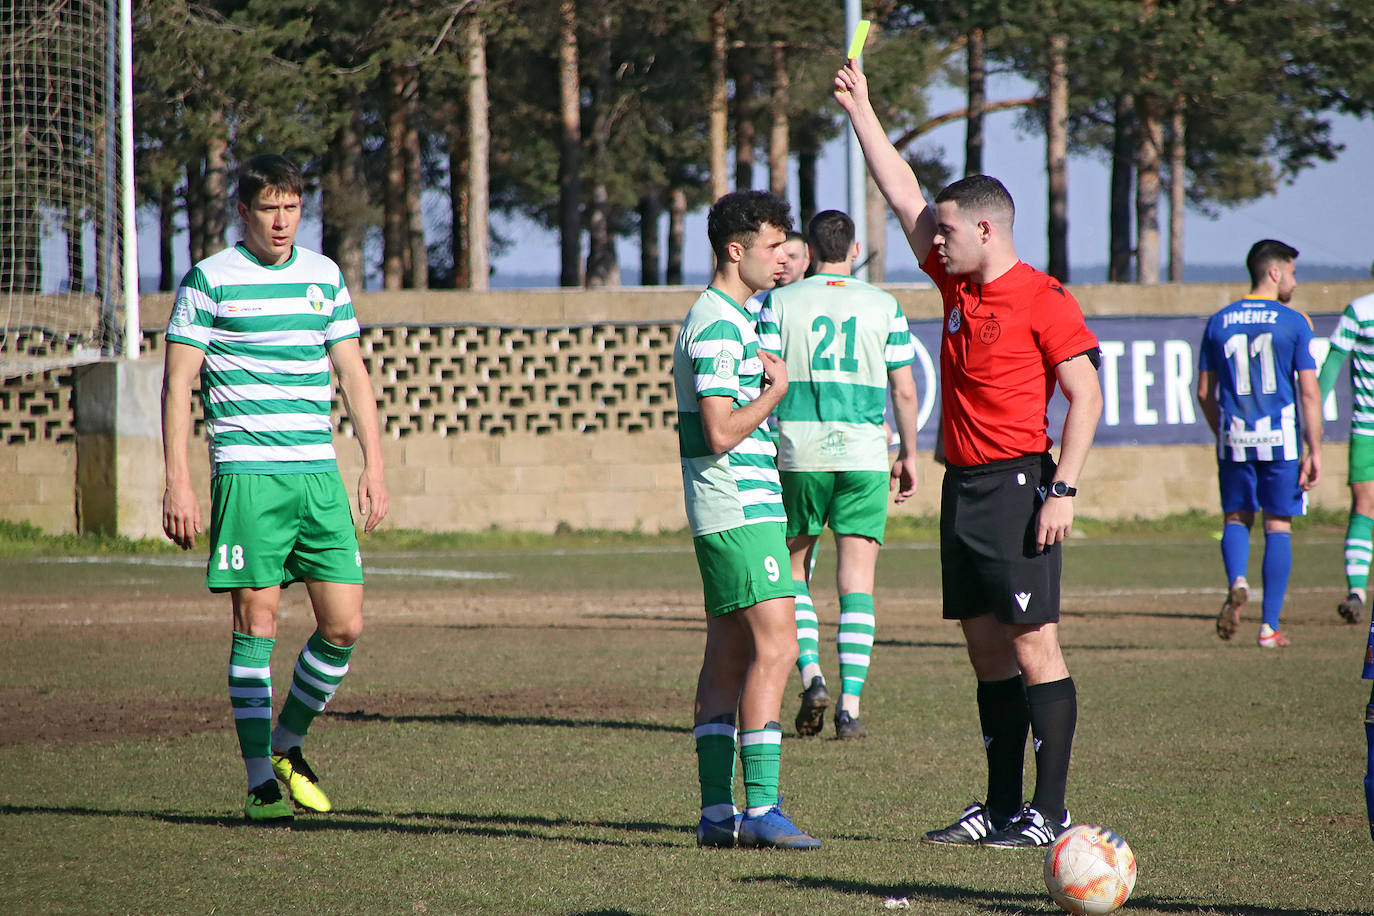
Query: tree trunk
x=719, y=113
x=166, y=232
x=479, y=153
x=778, y=135
x=602, y=266
x=343, y=202
x=417, y=258
x=76, y=249
x=195, y=207
x=1057, y=159
x=570, y=149
x=977, y=99
x=1177, y=187
x=744, y=125
x=394, y=248
x=876, y=209
x=1149, y=140
x=807, y=156
x=677, y=234
x=1123, y=173
x=459, y=188
x=211, y=198
x=650, y=207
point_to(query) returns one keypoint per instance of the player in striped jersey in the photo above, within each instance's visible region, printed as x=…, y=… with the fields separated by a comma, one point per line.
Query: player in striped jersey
x=844, y=342
x=261, y=323
x=726, y=388
x=1354, y=337
x=1257, y=386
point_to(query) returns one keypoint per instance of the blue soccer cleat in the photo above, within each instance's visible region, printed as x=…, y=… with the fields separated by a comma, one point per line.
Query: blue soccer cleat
x=718, y=834
x=774, y=830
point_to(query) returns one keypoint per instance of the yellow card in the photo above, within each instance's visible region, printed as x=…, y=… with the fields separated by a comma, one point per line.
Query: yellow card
x=856, y=45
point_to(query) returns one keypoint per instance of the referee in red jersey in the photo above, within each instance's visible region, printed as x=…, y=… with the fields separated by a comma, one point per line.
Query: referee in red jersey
x=1010, y=333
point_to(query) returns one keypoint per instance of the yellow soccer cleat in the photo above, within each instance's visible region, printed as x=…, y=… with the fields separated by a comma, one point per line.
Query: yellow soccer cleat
x=265, y=805
x=300, y=780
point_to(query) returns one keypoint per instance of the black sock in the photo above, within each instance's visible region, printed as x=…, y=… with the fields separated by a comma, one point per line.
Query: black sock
x=1053, y=716
x=1005, y=720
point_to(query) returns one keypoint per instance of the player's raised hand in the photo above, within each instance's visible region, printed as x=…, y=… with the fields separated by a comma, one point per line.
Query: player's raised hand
x=774, y=373
x=851, y=88
x=181, y=516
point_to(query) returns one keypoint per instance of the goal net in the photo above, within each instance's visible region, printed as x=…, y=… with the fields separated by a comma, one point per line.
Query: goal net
x=62, y=243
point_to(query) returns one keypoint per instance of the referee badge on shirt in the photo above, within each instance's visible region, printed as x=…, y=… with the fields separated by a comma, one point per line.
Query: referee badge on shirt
x=990, y=331
x=954, y=320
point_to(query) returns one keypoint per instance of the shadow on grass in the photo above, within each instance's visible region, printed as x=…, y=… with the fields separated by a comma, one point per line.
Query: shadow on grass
x=476, y=627
x=419, y=823
x=1157, y=615
x=468, y=718
x=1003, y=902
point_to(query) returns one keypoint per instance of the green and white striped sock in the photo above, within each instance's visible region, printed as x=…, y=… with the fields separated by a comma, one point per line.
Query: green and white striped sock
x=808, y=635
x=716, y=767
x=760, y=752
x=319, y=669
x=250, y=694
x=855, y=644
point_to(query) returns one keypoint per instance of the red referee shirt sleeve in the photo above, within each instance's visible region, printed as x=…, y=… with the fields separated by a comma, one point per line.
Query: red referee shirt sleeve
x=1058, y=325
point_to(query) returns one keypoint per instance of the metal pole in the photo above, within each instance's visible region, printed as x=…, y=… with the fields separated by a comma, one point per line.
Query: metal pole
x=856, y=171
x=129, y=211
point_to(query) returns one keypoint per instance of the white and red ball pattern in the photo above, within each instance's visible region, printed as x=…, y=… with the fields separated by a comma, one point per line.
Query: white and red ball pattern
x=1089, y=870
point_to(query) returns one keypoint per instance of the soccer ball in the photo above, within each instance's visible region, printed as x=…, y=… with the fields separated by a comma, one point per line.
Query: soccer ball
x=1089, y=870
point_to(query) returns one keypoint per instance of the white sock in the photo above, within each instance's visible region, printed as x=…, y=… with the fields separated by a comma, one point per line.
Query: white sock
x=259, y=771
x=849, y=702
x=811, y=670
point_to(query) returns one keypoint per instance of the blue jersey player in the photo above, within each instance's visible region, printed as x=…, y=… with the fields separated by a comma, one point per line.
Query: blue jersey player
x=1257, y=385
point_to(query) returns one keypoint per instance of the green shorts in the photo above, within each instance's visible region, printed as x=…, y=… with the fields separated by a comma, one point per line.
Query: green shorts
x=1361, y=458
x=275, y=529
x=742, y=566
x=851, y=502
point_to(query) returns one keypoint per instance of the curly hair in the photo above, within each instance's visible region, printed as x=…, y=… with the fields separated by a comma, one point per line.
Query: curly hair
x=739, y=215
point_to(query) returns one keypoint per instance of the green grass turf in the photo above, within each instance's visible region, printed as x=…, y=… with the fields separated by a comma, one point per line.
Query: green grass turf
x=522, y=744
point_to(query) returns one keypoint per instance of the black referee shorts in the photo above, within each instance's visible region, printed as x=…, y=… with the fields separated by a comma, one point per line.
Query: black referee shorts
x=988, y=559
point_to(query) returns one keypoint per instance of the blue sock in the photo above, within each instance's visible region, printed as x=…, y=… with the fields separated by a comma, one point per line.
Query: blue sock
x=1235, y=550
x=1369, y=767
x=1278, y=561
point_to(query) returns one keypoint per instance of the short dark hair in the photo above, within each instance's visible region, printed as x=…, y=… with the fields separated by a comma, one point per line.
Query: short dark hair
x=1264, y=254
x=831, y=234
x=739, y=215
x=979, y=194
x=268, y=171
x=794, y=236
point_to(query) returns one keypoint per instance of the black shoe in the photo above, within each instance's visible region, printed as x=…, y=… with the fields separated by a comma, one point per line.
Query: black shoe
x=1351, y=609
x=846, y=726
x=814, y=701
x=974, y=824
x=1028, y=830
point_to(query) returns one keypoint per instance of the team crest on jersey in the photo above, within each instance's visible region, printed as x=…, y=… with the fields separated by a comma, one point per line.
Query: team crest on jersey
x=990, y=331
x=181, y=313
x=834, y=445
x=315, y=296
x=954, y=320
x=725, y=365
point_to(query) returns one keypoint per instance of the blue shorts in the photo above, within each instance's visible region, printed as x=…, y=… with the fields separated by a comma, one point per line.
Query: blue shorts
x=1268, y=485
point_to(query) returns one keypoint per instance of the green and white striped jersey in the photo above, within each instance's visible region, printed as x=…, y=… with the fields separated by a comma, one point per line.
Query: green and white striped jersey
x=266, y=331
x=717, y=355
x=1354, y=336
x=840, y=337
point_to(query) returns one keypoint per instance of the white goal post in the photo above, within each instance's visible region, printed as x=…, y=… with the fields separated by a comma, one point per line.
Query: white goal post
x=68, y=236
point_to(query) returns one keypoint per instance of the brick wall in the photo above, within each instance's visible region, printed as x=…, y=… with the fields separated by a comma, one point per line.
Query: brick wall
x=529, y=410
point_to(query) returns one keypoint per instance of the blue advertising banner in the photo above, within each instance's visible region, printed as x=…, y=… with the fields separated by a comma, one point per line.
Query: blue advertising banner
x=1149, y=381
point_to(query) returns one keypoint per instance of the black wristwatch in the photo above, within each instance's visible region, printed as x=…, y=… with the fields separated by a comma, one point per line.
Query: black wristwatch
x=1060, y=488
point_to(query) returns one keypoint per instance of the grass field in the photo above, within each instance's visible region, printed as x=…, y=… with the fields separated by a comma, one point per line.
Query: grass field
x=514, y=737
